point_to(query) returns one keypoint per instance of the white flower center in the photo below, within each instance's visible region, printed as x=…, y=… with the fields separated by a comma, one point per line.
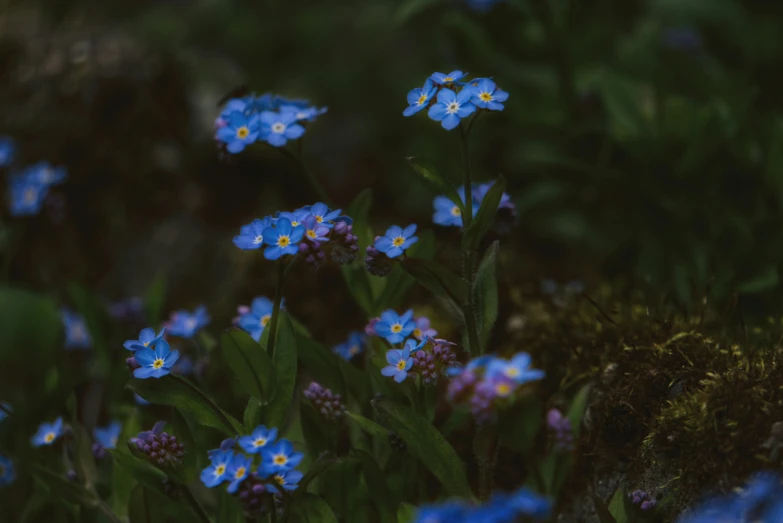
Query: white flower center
x=278, y=128
x=452, y=108
x=30, y=195
x=258, y=239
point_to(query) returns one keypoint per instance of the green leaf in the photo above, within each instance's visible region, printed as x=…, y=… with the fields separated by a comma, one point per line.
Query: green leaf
x=253, y=413
x=145, y=505
x=369, y=426
x=485, y=216
x=321, y=364
x=319, y=435
x=764, y=281
x=309, y=508
x=229, y=509
x=357, y=279
x=317, y=468
x=428, y=446
x=577, y=409
x=284, y=361
x=622, y=99
x=604, y=516
x=178, y=392
x=520, y=425
x=437, y=279
x=191, y=465
x=424, y=168
x=376, y=482
x=406, y=513
x=122, y=482
x=248, y=361
x=154, y=299
x=28, y=322
x=142, y=471
x=70, y=490
x=96, y=318
x=486, y=292
x=410, y=8
x=619, y=506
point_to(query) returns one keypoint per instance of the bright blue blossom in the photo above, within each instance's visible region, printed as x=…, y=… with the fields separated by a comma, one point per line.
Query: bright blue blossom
x=449, y=512
x=45, y=174
x=282, y=239
x=517, y=370
x=447, y=213
x=255, y=320
x=487, y=95
x=322, y=213
x=286, y=480
x=258, y=440
x=394, y=327
x=107, y=436
x=238, y=469
x=396, y=240
x=352, y=346
x=76, y=334
x=279, y=127
x=7, y=151
x=239, y=131
x=500, y=508
x=304, y=114
x=422, y=331
x=185, y=324
x=48, y=433
x=452, y=107
x=7, y=472
x=400, y=362
x=762, y=500
x=420, y=97
x=26, y=195
x=278, y=458
x=217, y=472
x=147, y=338
x=157, y=362
x=315, y=231
x=251, y=236
x=297, y=217
x=447, y=79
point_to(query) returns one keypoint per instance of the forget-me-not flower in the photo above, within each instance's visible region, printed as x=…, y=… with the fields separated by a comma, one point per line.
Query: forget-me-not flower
x=45, y=174
x=185, y=324
x=322, y=213
x=107, y=436
x=278, y=458
x=400, y=362
x=304, y=114
x=7, y=472
x=26, y=195
x=217, y=472
x=447, y=79
x=76, y=334
x=396, y=240
x=487, y=95
x=286, y=480
x=518, y=369
x=251, y=236
x=297, y=217
x=447, y=213
x=147, y=338
x=394, y=327
x=422, y=331
x=452, y=107
x=157, y=362
x=254, y=321
x=258, y=440
x=315, y=231
x=238, y=469
x=48, y=433
x=282, y=239
x=279, y=127
x=5, y=410
x=7, y=151
x=239, y=131
x=352, y=346
x=419, y=98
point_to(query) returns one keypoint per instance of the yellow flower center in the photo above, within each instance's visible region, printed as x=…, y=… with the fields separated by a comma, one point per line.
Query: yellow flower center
x=283, y=240
x=294, y=224
x=422, y=99
x=220, y=470
x=401, y=365
x=240, y=473
x=319, y=219
x=260, y=442
x=512, y=372
x=264, y=321
x=396, y=328
x=448, y=79
x=353, y=350
x=242, y=132
x=30, y=195
x=399, y=240
x=278, y=128
x=49, y=437
x=280, y=459
x=146, y=344
x=455, y=211
x=280, y=479
x=486, y=97
x=158, y=363
x=311, y=234
x=503, y=389
x=417, y=333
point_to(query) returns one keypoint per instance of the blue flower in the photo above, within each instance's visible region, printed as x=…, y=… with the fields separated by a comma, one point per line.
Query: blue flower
x=279, y=127
x=147, y=338
x=107, y=436
x=139, y=400
x=452, y=107
x=216, y=473
x=256, y=319
x=400, y=362
x=185, y=324
x=286, y=480
x=449, y=512
x=282, y=239
x=394, y=327
x=761, y=498
x=76, y=334
x=251, y=236
x=487, y=95
x=258, y=440
x=447, y=79
x=157, y=362
x=278, y=458
x=238, y=469
x=419, y=98
x=7, y=472
x=7, y=151
x=239, y=131
x=48, y=433
x=45, y=174
x=5, y=410
x=396, y=240
x=517, y=370
x=315, y=231
x=322, y=214
x=447, y=213
x=184, y=366
x=26, y=195
x=423, y=329
x=297, y=217
x=304, y=114
x=528, y=503
x=353, y=346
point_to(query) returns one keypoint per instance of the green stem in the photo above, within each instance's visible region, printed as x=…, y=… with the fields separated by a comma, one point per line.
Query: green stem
x=282, y=272
x=468, y=268
x=104, y=507
x=188, y=495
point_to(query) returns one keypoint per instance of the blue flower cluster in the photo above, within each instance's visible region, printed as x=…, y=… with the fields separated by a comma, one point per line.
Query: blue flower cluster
x=308, y=230
x=450, y=99
x=760, y=501
x=77, y=336
x=48, y=433
x=501, y=508
x=277, y=468
x=29, y=188
x=448, y=214
x=488, y=383
x=267, y=118
x=152, y=355
x=253, y=319
x=353, y=346
x=387, y=248
x=186, y=324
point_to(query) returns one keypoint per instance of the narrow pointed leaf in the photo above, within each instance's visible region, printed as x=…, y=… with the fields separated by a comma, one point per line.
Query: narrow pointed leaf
x=438, y=279
x=426, y=169
x=485, y=216
x=248, y=361
x=284, y=361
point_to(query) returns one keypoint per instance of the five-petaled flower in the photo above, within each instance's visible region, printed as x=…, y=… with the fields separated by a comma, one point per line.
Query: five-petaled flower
x=239, y=131
x=76, y=334
x=251, y=236
x=322, y=214
x=400, y=362
x=238, y=469
x=278, y=458
x=297, y=217
x=217, y=472
x=396, y=240
x=286, y=480
x=157, y=362
x=452, y=107
x=147, y=338
x=45, y=174
x=7, y=151
x=279, y=127
x=447, y=213
x=487, y=95
x=394, y=327
x=258, y=440
x=315, y=231
x=282, y=239
x=107, y=436
x=422, y=331
x=48, y=433
x=419, y=98
x=26, y=195
x=517, y=370
x=185, y=324
x=254, y=321
x=447, y=79
x=352, y=346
